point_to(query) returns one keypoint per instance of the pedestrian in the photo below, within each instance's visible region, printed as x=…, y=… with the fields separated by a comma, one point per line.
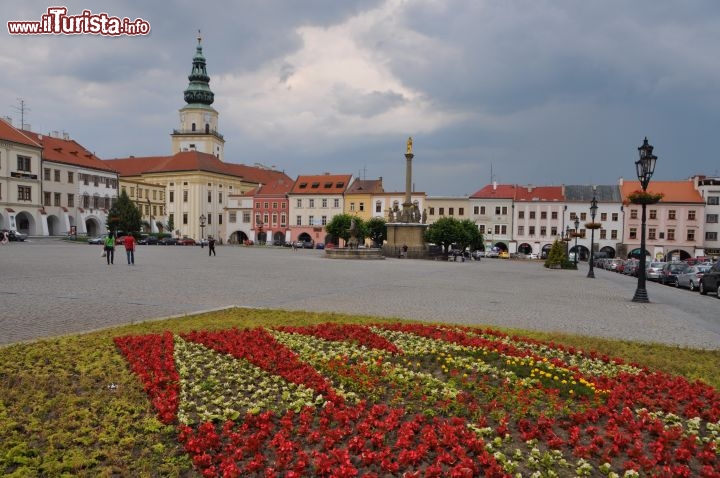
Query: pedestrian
x=130, y=249
x=294, y=246
x=404, y=249
x=110, y=249
x=5, y=238
x=211, y=246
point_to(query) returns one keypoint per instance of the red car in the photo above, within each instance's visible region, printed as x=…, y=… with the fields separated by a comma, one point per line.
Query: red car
x=186, y=241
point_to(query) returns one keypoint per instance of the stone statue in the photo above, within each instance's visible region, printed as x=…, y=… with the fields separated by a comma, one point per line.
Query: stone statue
x=409, y=145
x=353, y=241
x=424, y=216
x=391, y=216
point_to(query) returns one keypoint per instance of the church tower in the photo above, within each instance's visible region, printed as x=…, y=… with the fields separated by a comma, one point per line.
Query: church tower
x=198, y=119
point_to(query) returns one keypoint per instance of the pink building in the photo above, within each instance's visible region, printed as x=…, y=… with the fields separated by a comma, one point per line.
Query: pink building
x=675, y=225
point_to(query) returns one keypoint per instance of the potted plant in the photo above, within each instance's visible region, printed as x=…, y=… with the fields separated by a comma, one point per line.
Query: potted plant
x=644, y=197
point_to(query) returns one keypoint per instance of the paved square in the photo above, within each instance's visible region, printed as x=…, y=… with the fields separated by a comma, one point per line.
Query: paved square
x=50, y=287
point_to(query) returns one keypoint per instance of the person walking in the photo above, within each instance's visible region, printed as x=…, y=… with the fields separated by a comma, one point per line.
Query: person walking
x=110, y=249
x=211, y=246
x=130, y=249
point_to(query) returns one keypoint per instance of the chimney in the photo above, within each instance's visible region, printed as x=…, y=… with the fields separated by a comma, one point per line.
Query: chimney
x=494, y=185
x=620, y=181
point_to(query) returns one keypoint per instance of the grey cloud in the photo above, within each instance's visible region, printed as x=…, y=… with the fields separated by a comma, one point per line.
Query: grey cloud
x=355, y=103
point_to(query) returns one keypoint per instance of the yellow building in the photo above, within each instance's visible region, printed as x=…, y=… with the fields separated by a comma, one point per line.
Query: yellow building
x=359, y=199
x=150, y=201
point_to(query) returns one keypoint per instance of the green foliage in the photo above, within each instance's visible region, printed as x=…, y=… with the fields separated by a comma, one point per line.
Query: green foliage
x=339, y=227
x=448, y=230
x=124, y=215
x=377, y=230
x=556, y=257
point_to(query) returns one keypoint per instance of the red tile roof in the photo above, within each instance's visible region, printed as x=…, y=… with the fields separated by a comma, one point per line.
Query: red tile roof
x=366, y=186
x=68, y=151
x=321, y=184
x=539, y=193
x=277, y=188
x=194, y=161
x=9, y=133
x=674, y=191
x=499, y=191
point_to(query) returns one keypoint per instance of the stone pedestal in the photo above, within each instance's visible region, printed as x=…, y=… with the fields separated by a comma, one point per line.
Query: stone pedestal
x=405, y=234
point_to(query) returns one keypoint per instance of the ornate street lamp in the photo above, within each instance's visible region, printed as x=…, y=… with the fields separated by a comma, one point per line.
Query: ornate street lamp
x=593, y=212
x=567, y=242
x=202, y=226
x=577, y=233
x=645, y=167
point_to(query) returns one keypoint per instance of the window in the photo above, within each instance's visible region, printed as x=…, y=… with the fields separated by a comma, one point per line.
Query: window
x=46, y=198
x=220, y=197
x=476, y=210
x=553, y=215
x=266, y=204
x=441, y=211
x=521, y=214
x=298, y=221
x=633, y=213
x=553, y=231
x=651, y=233
x=298, y=203
x=481, y=228
x=504, y=210
x=86, y=201
x=324, y=202
x=432, y=211
x=532, y=214
x=154, y=194
x=266, y=218
x=283, y=220
x=671, y=234
x=352, y=206
x=482, y=209
x=633, y=233
x=185, y=218
x=613, y=234
x=653, y=213
x=209, y=196
x=572, y=216
x=46, y=174
x=691, y=235
x=504, y=229
x=543, y=215
x=323, y=220
x=497, y=229
x=56, y=199
x=378, y=206
x=209, y=219
x=185, y=195
x=497, y=210
x=362, y=206
x=246, y=217
x=711, y=236
x=274, y=219
x=154, y=209
x=172, y=196
x=171, y=219
x=311, y=203
x=711, y=218
x=531, y=230
x=583, y=216
x=691, y=215
x=23, y=163
x=71, y=178
x=671, y=214
x=71, y=200
x=311, y=220
x=603, y=216
x=603, y=234
x=232, y=216
x=283, y=205
x=274, y=205
x=140, y=193
x=543, y=231
x=336, y=203
x=461, y=211
x=451, y=211
x=521, y=230
x=132, y=192
x=86, y=178
x=258, y=219
x=614, y=217
x=713, y=200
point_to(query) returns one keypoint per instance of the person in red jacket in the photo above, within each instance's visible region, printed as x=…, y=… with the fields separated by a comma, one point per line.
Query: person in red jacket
x=130, y=249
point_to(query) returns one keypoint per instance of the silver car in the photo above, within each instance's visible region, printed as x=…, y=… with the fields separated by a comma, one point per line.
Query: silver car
x=654, y=270
x=690, y=278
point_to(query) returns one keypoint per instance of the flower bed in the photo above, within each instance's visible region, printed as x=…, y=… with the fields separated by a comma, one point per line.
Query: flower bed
x=419, y=400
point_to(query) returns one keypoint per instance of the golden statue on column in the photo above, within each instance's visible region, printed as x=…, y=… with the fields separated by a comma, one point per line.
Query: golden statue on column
x=409, y=145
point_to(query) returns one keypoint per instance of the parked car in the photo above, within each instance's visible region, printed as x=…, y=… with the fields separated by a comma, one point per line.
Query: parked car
x=477, y=255
x=167, y=241
x=630, y=267
x=202, y=242
x=504, y=255
x=13, y=235
x=690, y=278
x=147, y=239
x=97, y=240
x=710, y=281
x=492, y=254
x=320, y=245
x=186, y=241
x=653, y=270
x=670, y=271
x=612, y=264
x=533, y=256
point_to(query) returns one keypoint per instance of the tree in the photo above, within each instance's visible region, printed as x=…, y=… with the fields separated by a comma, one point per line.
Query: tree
x=377, y=230
x=556, y=256
x=470, y=237
x=339, y=226
x=124, y=215
x=444, y=232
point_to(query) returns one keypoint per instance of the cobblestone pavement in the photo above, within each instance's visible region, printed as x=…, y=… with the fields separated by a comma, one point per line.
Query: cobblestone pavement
x=49, y=287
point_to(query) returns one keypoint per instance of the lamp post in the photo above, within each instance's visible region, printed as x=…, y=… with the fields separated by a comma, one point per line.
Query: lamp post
x=577, y=228
x=593, y=212
x=644, y=167
x=202, y=229
x=567, y=242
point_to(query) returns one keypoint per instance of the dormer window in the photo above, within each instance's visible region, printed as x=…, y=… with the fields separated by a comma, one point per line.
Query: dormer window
x=315, y=185
x=328, y=185
x=339, y=185
x=302, y=185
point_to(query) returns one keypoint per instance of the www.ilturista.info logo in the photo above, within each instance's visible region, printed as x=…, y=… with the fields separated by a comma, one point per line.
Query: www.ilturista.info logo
x=57, y=22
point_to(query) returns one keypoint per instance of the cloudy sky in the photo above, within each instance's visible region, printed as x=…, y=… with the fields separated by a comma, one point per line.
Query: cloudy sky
x=534, y=91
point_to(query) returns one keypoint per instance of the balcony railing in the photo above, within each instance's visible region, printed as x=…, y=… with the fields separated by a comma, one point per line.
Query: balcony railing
x=197, y=132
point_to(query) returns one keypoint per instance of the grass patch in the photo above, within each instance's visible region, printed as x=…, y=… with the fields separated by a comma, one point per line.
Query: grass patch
x=71, y=407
